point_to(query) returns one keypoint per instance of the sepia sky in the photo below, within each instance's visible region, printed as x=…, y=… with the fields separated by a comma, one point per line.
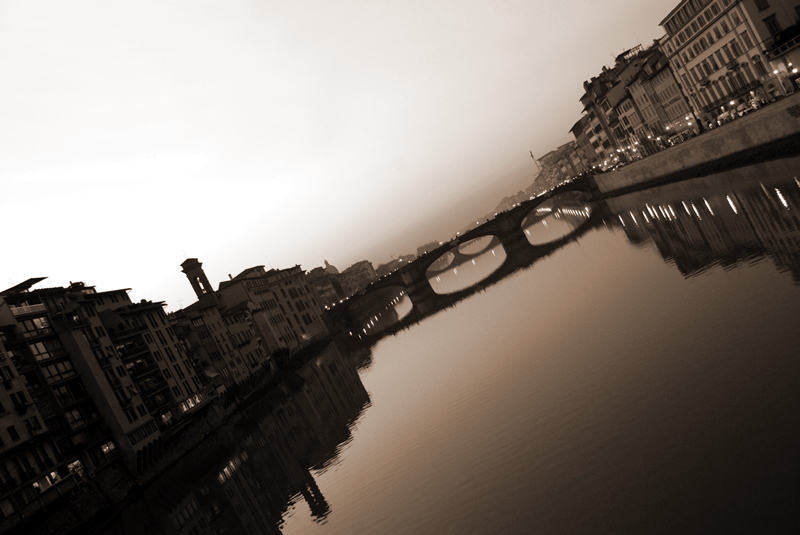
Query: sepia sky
x=136, y=134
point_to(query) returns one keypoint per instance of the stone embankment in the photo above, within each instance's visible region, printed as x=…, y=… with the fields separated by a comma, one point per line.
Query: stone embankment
x=769, y=132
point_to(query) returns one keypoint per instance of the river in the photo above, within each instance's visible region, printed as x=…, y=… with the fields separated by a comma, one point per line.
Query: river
x=643, y=378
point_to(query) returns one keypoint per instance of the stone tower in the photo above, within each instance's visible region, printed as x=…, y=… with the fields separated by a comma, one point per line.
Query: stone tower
x=197, y=278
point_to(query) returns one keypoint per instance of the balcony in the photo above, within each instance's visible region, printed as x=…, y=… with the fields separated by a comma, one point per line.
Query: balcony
x=52, y=354
x=56, y=380
x=39, y=332
x=70, y=322
x=785, y=41
x=130, y=331
x=143, y=369
x=133, y=351
x=67, y=401
x=27, y=309
x=150, y=388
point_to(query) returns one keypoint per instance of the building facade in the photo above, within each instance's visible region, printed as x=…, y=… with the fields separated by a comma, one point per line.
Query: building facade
x=720, y=50
x=89, y=378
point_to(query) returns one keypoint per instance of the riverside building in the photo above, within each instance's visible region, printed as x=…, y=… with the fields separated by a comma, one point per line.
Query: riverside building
x=89, y=378
x=722, y=50
x=236, y=331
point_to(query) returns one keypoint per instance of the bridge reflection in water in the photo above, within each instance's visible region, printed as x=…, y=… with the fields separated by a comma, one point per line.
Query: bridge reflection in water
x=720, y=219
x=514, y=240
x=466, y=264
x=557, y=217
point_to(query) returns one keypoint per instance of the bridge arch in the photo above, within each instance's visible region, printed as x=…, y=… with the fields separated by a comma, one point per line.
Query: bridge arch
x=505, y=227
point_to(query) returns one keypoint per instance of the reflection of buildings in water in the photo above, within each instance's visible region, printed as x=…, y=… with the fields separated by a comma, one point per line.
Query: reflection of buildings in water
x=242, y=479
x=721, y=227
x=377, y=312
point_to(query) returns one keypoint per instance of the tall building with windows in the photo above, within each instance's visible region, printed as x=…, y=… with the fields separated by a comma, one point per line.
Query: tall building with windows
x=610, y=117
x=48, y=381
x=597, y=130
x=776, y=24
x=720, y=50
x=236, y=331
x=220, y=338
x=89, y=378
x=286, y=298
x=37, y=460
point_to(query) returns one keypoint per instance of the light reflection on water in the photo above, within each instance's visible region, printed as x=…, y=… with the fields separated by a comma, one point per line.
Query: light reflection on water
x=598, y=392
x=611, y=389
x=557, y=217
x=378, y=311
x=473, y=247
x=464, y=271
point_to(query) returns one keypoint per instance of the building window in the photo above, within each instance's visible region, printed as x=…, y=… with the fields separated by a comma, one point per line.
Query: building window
x=75, y=418
x=746, y=38
x=727, y=53
x=762, y=4
x=772, y=25
x=760, y=69
x=748, y=74
x=12, y=432
x=33, y=424
x=725, y=85
x=35, y=327
x=59, y=371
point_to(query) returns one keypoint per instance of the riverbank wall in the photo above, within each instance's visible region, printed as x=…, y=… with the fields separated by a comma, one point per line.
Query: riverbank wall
x=767, y=132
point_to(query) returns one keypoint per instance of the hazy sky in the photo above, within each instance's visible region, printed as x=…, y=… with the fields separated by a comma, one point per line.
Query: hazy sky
x=135, y=134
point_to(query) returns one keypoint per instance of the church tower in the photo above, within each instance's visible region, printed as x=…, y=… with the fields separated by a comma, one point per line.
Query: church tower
x=197, y=278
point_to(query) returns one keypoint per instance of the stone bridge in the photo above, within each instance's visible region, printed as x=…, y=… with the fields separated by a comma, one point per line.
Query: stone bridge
x=505, y=229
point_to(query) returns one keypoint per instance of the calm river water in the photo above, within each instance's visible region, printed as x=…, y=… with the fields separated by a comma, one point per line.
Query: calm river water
x=644, y=378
